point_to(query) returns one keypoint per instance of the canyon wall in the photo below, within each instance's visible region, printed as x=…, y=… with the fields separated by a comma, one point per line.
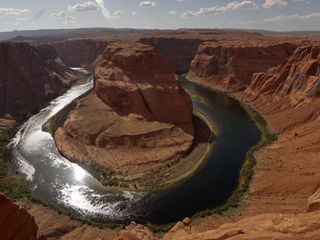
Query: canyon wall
x=29, y=76
x=79, y=53
x=231, y=65
x=178, y=52
x=15, y=222
x=297, y=77
x=138, y=120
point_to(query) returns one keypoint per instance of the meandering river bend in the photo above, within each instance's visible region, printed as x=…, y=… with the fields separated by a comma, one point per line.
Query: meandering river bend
x=70, y=188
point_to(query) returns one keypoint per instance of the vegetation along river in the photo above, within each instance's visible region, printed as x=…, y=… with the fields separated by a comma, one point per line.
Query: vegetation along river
x=70, y=188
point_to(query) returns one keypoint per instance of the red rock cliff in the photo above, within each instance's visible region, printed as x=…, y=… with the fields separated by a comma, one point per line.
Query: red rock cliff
x=178, y=52
x=133, y=78
x=29, y=76
x=231, y=65
x=79, y=53
x=138, y=120
x=298, y=76
x=15, y=222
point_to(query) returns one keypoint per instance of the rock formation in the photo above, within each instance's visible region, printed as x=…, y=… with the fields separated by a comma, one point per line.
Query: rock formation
x=178, y=52
x=298, y=76
x=138, y=120
x=79, y=53
x=29, y=76
x=135, y=231
x=15, y=222
x=264, y=226
x=231, y=65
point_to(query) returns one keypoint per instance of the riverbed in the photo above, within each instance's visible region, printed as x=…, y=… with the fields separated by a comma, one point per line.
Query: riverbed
x=70, y=188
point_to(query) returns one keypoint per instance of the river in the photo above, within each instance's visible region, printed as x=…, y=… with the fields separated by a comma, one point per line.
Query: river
x=71, y=188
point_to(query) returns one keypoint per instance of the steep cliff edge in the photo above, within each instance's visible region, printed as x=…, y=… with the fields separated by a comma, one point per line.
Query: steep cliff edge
x=15, y=222
x=178, y=52
x=298, y=76
x=79, y=53
x=231, y=65
x=285, y=185
x=29, y=76
x=138, y=121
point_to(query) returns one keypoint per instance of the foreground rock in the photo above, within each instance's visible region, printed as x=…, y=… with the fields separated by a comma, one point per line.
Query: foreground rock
x=265, y=226
x=30, y=76
x=231, y=65
x=138, y=121
x=15, y=222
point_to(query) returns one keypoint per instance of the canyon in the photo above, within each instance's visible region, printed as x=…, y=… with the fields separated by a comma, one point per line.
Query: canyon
x=30, y=76
x=79, y=52
x=277, y=76
x=231, y=65
x=137, y=121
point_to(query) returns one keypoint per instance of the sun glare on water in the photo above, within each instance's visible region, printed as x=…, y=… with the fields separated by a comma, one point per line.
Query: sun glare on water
x=78, y=172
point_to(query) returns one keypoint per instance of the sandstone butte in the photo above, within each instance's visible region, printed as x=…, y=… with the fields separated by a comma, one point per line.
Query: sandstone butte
x=30, y=75
x=138, y=120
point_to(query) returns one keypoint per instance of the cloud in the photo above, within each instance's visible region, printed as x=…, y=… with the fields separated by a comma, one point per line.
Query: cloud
x=60, y=14
x=215, y=10
x=147, y=4
x=296, y=17
x=243, y=5
x=173, y=12
x=82, y=7
x=14, y=11
x=134, y=14
x=180, y=0
x=105, y=12
x=67, y=18
x=274, y=3
x=117, y=14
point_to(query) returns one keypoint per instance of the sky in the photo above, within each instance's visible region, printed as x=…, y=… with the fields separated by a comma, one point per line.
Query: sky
x=275, y=15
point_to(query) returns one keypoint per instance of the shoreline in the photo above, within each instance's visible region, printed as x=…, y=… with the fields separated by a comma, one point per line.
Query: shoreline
x=187, y=165
x=165, y=227
x=247, y=170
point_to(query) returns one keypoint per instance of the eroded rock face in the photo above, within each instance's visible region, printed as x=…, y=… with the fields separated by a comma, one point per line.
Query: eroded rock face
x=79, y=53
x=15, y=222
x=135, y=231
x=231, y=66
x=29, y=76
x=133, y=78
x=138, y=120
x=178, y=52
x=270, y=226
x=298, y=76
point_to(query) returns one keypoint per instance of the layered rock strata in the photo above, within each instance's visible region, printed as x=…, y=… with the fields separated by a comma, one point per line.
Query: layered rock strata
x=297, y=77
x=15, y=222
x=29, y=76
x=138, y=120
x=81, y=52
x=231, y=65
x=178, y=52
